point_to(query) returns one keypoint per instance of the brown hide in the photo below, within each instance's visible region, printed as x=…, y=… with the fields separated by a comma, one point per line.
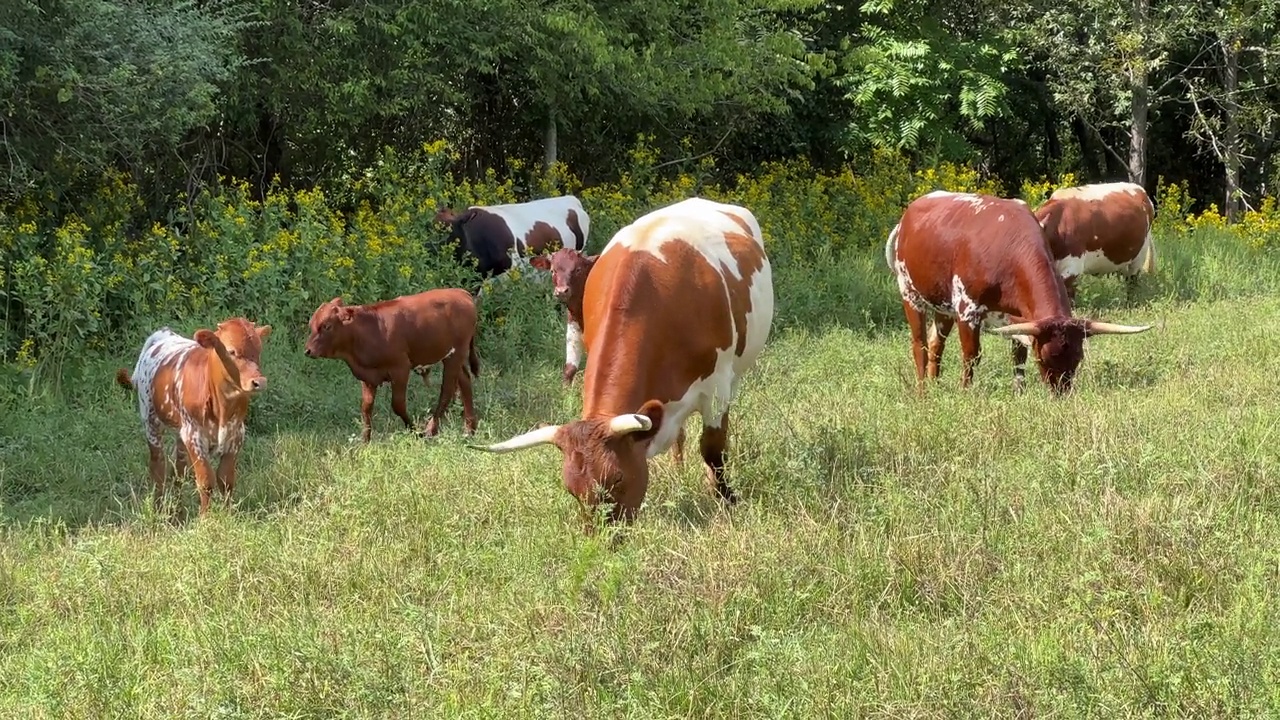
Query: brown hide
x=387, y=341
x=1115, y=224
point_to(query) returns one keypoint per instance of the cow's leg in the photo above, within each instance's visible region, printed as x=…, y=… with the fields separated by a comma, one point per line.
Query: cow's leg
x=368, y=393
x=938, y=333
x=572, y=350
x=400, y=394
x=915, y=320
x=449, y=387
x=715, y=439
x=181, y=463
x=204, y=473
x=1130, y=287
x=678, y=453
x=156, y=467
x=970, y=352
x=466, y=393
x=227, y=476
x=1019, y=365
x=1070, y=284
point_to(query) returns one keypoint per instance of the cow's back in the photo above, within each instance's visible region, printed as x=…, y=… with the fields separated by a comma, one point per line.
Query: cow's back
x=562, y=214
x=1096, y=228
x=427, y=325
x=678, y=305
x=950, y=244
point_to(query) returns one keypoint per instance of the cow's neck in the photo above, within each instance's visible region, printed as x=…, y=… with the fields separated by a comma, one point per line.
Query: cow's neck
x=225, y=398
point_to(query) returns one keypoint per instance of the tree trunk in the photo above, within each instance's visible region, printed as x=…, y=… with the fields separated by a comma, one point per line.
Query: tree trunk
x=1088, y=151
x=1231, y=131
x=1139, y=103
x=550, y=144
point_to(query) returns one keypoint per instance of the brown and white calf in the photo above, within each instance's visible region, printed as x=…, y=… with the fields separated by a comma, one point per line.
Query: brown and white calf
x=982, y=261
x=386, y=341
x=675, y=310
x=499, y=236
x=201, y=387
x=569, y=269
x=1100, y=229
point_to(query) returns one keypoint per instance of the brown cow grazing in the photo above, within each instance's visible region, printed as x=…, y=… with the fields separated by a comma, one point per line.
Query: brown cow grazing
x=653, y=361
x=569, y=269
x=386, y=341
x=201, y=388
x=1099, y=230
x=499, y=236
x=982, y=260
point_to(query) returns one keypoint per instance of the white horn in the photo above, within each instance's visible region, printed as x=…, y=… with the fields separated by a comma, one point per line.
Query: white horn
x=1106, y=328
x=541, y=436
x=1022, y=328
x=629, y=423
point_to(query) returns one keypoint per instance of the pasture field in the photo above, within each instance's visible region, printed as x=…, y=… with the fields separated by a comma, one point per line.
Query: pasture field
x=966, y=554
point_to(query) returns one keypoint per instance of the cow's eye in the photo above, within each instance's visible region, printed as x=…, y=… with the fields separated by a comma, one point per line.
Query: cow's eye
x=233, y=353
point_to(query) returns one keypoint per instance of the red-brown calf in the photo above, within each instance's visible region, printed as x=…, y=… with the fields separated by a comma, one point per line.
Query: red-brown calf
x=386, y=341
x=201, y=388
x=982, y=260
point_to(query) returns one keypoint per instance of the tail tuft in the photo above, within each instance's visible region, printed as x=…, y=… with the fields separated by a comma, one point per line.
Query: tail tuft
x=123, y=379
x=474, y=359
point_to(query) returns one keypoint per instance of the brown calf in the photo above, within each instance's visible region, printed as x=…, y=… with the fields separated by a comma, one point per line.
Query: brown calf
x=983, y=261
x=201, y=388
x=1098, y=230
x=386, y=341
x=675, y=311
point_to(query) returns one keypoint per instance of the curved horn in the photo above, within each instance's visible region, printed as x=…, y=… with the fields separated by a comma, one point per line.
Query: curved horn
x=541, y=436
x=1095, y=327
x=629, y=423
x=1022, y=328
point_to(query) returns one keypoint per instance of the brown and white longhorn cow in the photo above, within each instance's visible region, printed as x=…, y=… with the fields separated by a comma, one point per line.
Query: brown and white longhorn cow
x=1099, y=229
x=676, y=309
x=982, y=261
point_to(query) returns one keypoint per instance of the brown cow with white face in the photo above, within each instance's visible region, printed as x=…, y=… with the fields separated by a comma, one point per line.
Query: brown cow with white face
x=1100, y=229
x=387, y=341
x=983, y=261
x=201, y=388
x=676, y=309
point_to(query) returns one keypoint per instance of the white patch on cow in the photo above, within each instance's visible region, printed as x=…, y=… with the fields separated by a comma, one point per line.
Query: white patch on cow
x=1000, y=219
x=941, y=194
x=161, y=347
x=967, y=310
x=1096, y=191
x=1092, y=262
x=230, y=437
x=909, y=293
x=703, y=224
x=573, y=348
x=977, y=201
x=554, y=211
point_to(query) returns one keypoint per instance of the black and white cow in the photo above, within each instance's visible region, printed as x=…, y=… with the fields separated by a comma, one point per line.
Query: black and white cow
x=500, y=235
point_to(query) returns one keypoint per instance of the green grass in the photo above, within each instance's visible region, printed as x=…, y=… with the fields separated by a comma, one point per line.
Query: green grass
x=968, y=554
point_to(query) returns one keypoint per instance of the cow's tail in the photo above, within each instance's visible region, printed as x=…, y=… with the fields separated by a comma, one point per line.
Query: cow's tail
x=891, y=245
x=1149, y=262
x=473, y=358
x=123, y=379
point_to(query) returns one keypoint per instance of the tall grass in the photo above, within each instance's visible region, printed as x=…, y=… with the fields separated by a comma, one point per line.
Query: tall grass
x=968, y=554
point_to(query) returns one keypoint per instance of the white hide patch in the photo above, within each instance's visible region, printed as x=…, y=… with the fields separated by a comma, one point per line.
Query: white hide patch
x=1093, y=262
x=702, y=224
x=573, y=348
x=976, y=201
x=554, y=211
x=161, y=347
x=1096, y=191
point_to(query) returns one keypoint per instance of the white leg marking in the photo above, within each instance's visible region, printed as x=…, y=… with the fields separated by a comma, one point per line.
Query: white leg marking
x=573, y=348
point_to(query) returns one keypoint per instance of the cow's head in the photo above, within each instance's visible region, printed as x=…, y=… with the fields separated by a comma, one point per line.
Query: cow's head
x=1058, y=344
x=237, y=345
x=445, y=215
x=604, y=458
x=569, y=269
x=331, y=330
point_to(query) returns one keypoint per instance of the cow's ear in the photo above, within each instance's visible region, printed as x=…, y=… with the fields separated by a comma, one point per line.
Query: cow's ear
x=337, y=301
x=346, y=313
x=541, y=262
x=591, y=259
x=653, y=410
x=264, y=331
x=206, y=338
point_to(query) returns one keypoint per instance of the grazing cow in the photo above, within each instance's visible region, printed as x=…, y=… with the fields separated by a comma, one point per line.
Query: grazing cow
x=1098, y=230
x=569, y=269
x=982, y=260
x=500, y=235
x=676, y=308
x=386, y=341
x=200, y=387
